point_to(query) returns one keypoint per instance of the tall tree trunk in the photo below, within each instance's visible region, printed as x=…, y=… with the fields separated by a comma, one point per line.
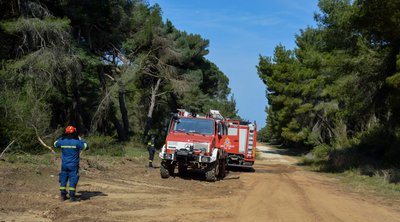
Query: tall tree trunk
x=77, y=108
x=78, y=111
x=122, y=135
x=124, y=112
x=153, y=98
x=120, y=130
x=100, y=71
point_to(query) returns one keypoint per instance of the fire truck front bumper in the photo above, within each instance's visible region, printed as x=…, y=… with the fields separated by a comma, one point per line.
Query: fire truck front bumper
x=187, y=157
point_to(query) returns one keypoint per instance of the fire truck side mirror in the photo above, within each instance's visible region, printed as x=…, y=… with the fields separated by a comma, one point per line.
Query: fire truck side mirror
x=220, y=130
x=176, y=117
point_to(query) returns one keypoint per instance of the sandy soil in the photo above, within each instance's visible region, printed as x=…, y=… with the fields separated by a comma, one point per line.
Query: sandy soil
x=124, y=190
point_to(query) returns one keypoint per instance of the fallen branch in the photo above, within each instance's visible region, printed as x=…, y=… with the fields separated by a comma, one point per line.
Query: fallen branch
x=41, y=141
x=9, y=145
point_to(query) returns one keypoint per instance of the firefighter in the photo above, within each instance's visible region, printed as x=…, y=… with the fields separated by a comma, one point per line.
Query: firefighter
x=151, y=148
x=71, y=145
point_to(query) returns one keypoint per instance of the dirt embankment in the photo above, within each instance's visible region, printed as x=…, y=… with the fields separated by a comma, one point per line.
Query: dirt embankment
x=127, y=191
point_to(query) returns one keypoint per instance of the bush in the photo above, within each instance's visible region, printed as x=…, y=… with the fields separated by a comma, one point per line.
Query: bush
x=389, y=175
x=381, y=145
x=104, y=146
x=108, y=146
x=322, y=151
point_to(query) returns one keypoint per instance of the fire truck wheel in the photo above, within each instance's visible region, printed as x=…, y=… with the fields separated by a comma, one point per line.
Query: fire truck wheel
x=166, y=170
x=212, y=171
x=182, y=170
x=222, y=169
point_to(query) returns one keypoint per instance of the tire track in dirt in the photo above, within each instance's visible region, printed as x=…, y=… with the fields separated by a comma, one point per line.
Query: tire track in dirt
x=281, y=191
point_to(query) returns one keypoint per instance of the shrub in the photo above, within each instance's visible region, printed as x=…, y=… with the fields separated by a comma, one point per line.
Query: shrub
x=104, y=145
x=322, y=151
x=108, y=146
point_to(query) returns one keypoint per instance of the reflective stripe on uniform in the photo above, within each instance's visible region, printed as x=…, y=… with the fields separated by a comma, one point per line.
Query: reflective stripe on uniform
x=71, y=188
x=55, y=143
x=84, y=146
x=69, y=147
x=150, y=161
x=62, y=188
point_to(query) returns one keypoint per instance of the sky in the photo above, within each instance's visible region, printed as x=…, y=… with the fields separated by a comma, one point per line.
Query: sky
x=239, y=31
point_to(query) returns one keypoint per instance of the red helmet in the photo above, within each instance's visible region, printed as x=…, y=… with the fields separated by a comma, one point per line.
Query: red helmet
x=70, y=129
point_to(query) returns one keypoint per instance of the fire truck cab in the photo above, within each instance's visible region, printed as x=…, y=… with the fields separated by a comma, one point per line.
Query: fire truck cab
x=194, y=141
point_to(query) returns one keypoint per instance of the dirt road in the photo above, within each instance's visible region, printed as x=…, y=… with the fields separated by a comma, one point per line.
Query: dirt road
x=124, y=190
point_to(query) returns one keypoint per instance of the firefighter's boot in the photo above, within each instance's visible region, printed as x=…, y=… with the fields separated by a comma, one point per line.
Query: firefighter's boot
x=63, y=196
x=151, y=164
x=73, y=198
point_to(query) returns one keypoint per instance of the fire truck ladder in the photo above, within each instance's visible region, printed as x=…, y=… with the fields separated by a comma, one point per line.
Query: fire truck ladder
x=251, y=140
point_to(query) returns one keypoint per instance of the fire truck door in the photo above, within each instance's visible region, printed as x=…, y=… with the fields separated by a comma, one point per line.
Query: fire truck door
x=230, y=142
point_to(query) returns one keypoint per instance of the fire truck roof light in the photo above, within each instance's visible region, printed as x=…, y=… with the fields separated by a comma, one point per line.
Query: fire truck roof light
x=216, y=114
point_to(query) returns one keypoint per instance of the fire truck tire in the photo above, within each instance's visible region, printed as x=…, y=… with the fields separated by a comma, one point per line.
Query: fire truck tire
x=212, y=171
x=166, y=170
x=222, y=169
x=182, y=170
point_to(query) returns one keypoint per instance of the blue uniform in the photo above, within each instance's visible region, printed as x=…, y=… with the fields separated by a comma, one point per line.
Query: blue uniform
x=151, y=148
x=70, y=149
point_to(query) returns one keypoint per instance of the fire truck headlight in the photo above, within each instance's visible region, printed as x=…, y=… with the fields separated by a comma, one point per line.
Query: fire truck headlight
x=167, y=156
x=205, y=159
x=172, y=144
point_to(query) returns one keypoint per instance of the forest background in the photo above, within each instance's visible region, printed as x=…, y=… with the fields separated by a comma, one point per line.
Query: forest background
x=338, y=92
x=112, y=68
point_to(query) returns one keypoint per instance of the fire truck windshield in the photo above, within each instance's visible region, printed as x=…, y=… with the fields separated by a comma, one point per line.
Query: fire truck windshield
x=195, y=125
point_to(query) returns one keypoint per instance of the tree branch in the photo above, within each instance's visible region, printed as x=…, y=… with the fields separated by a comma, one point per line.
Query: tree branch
x=8, y=146
x=155, y=76
x=163, y=93
x=109, y=76
x=325, y=123
x=40, y=139
x=102, y=102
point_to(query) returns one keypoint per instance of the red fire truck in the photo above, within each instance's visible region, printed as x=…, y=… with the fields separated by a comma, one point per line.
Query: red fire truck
x=194, y=141
x=207, y=142
x=240, y=143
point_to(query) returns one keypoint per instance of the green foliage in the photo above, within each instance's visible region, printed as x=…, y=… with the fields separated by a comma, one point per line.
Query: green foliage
x=338, y=91
x=262, y=135
x=108, y=146
x=322, y=151
x=95, y=64
x=47, y=27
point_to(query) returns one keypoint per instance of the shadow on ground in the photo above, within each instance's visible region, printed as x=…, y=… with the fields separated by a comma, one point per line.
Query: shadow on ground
x=87, y=195
x=199, y=175
x=241, y=169
x=192, y=174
